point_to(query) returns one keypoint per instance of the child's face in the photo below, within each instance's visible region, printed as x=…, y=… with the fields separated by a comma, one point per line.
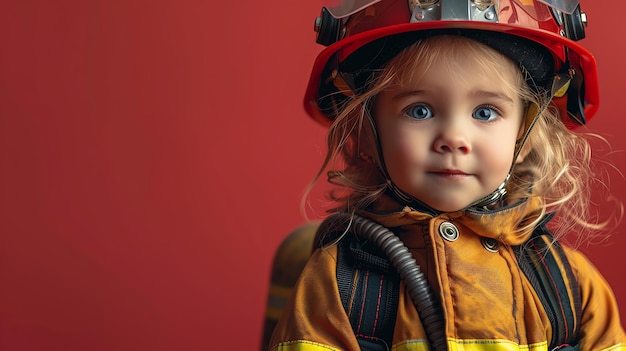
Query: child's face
x=449, y=141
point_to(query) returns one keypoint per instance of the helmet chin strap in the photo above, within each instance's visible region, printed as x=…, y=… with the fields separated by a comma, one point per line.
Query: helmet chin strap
x=559, y=86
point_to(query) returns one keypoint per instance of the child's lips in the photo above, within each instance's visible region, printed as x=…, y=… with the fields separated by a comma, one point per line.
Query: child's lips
x=450, y=174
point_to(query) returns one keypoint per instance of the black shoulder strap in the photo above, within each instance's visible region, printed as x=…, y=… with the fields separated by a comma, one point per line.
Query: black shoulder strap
x=545, y=265
x=368, y=286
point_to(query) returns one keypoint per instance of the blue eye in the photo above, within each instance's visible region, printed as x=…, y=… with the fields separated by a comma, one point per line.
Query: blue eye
x=486, y=113
x=419, y=111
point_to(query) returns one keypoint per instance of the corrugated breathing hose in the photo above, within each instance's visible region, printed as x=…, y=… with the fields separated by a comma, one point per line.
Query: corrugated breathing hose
x=410, y=272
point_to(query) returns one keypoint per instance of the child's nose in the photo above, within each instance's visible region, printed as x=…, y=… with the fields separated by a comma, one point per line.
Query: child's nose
x=452, y=137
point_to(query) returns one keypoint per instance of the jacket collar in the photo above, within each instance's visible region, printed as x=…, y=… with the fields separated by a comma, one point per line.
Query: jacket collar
x=506, y=224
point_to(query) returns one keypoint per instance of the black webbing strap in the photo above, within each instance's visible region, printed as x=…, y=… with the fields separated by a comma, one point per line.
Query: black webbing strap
x=368, y=286
x=544, y=263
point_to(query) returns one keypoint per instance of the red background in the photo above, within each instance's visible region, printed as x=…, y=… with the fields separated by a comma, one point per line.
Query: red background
x=153, y=155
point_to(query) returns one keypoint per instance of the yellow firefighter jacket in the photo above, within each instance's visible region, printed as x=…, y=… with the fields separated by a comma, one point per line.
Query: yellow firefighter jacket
x=487, y=301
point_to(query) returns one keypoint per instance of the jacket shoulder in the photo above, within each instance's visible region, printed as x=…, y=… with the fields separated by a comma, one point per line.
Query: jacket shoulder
x=600, y=327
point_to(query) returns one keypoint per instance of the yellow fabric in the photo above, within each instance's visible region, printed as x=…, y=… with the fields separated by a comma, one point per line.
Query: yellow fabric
x=303, y=345
x=487, y=301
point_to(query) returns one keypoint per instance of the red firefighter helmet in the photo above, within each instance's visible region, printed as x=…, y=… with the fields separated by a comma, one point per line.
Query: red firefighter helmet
x=540, y=35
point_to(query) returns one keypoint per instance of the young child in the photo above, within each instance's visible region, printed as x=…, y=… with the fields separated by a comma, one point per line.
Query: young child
x=451, y=140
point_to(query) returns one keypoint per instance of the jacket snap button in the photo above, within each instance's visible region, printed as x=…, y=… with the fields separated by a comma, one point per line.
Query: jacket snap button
x=490, y=244
x=448, y=231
